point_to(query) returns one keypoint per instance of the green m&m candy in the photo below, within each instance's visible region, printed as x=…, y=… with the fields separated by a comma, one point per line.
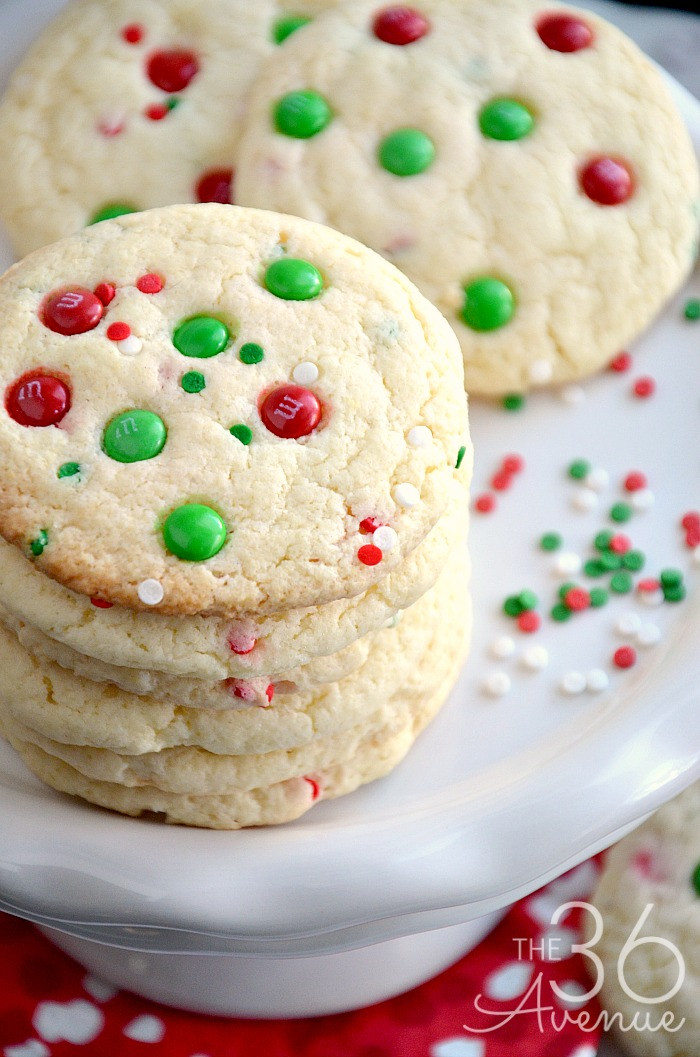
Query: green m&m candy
x=505, y=119
x=285, y=26
x=488, y=304
x=110, y=211
x=292, y=279
x=134, y=436
x=406, y=152
x=194, y=532
x=301, y=115
x=201, y=337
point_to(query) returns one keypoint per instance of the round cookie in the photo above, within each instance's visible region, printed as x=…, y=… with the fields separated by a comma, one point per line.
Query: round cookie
x=317, y=366
x=523, y=163
x=122, y=105
x=654, y=875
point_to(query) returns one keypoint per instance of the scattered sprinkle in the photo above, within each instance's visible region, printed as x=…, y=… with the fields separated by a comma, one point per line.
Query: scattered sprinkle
x=540, y=372
x=573, y=682
x=643, y=499
x=150, y=283
x=150, y=592
x=118, y=331
x=305, y=373
x=692, y=309
x=566, y=564
x=406, y=495
x=68, y=469
x=100, y=603
x=535, y=658
x=193, y=382
x=648, y=635
x=502, y=647
x=579, y=469
x=621, y=512
x=251, y=353
x=621, y=583
x=573, y=395
x=597, y=680
x=460, y=456
x=628, y=624
x=584, y=499
x=369, y=554
x=496, y=684
x=38, y=545
x=385, y=538
x=598, y=479
x=550, y=541
x=421, y=437
x=625, y=657
x=106, y=292
x=529, y=621
x=644, y=387
x=513, y=402
x=369, y=525
x=242, y=433
x=634, y=481
x=485, y=503
x=598, y=597
x=621, y=363
x=130, y=346
x=576, y=599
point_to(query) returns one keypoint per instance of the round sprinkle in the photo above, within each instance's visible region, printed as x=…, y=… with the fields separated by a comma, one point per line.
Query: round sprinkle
x=598, y=479
x=99, y=603
x=528, y=600
x=242, y=433
x=564, y=588
x=201, y=337
x=535, y=658
x=110, y=211
x=621, y=363
x=194, y=532
x=285, y=26
x=598, y=597
x=369, y=554
x=529, y=621
x=513, y=463
x=460, y=456
x=620, y=543
x=215, y=185
x=502, y=647
x=560, y=613
x=38, y=400
x=118, y=331
x=406, y=152
x=385, y=538
x=540, y=372
x=512, y=606
x=567, y=564
x=133, y=33
x=628, y=624
x=406, y=495
x=302, y=115
x=193, y=382
x=602, y=540
x=173, y=70
x=290, y=412
x=241, y=642
x=38, y=545
x=501, y=481
x=150, y=592
x=496, y=684
x=621, y=512
x=579, y=469
x=584, y=499
x=305, y=373
x=695, y=879
x=505, y=119
x=573, y=395
x=691, y=520
x=572, y=683
x=513, y=402
x=71, y=311
x=692, y=309
x=550, y=541
x=369, y=525
x=633, y=560
x=488, y=304
x=607, y=181
x=421, y=437
x=130, y=346
x=68, y=469
x=674, y=594
x=400, y=25
x=597, y=680
x=251, y=353
x=134, y=436
x=564, y=32
x=621, y=583
x=292, y=279
x=649, y=591
x=150, y=283
x=594, y=567
x=671, y=577
x=644, y=387
x=624, y=657
x=106, y=292
x=643, y=499
x=484, y=504
x=576, y=599
x=610, y=562
x=156, y=111
x=634, y=481
x=649, y=635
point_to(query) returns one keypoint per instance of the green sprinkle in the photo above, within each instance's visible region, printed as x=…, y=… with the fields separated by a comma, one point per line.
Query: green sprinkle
x=301, y=115
x=621, y=512
x=513, y=401
x=251, y=353
x=242, y=433
x=598, y=596
x=550, y=541
x=674, y=594
x=173, y=102
x=579, y=469
x=193, y=382
x=528, y=600
x=460, y=456
x=284, y=27
x=671, y=577
x=109, y=212
x=37, y=545
x=610, y=561
x=594, y=567
x=621, y=583
x=512, y=606
x=692, y=309
x=633, y=560
x=560, y=612
x=564, y=590
x=602, y=540
x=68, y=469
x=695, y=879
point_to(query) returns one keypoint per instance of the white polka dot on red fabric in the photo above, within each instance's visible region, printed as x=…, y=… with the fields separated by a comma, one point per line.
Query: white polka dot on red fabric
x=458, y=1047
x=78, y=1021
x=510, y=981
x=145, y=1028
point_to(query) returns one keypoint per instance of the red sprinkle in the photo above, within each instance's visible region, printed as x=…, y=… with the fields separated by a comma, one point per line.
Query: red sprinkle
x=529, y=621
x=156, y=112
x=513, y=463
x=501, y=481
x=290, y=412
x=577, y=599
x=624, y=657
x=215, y=186
x=99, y=603
x=110, y=127
x=607, y=181
x=648, y=585
x=644, y=387
x=106, y=292
x=692, y=537
x=485, y=503
x=315, y=787
x=691, y=520
x=150, y=284
x=620, y=544
x=634, y=481
x=133, y=34
x=241, y=643
x=38, y=399
x=621, y=363
x=73, y=310
x=400, y=25
x=564, y=32
x=369, y=554
x=270, y=692
x=172, y=70
x=118, y=331
x=370, y=524
x=243, y=691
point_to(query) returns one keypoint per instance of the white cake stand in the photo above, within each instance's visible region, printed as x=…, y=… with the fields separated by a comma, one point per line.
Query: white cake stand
x=369, y=895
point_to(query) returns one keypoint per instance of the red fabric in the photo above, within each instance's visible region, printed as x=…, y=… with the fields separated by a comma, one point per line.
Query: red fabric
x=40, y=988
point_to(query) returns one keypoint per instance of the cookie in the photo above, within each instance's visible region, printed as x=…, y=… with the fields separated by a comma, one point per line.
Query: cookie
x=211, y=430
x=649, y=899
x=122, y=106
x=523, y=163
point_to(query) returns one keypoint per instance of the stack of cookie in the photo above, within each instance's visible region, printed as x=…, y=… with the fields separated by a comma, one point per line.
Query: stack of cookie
x=233, y=576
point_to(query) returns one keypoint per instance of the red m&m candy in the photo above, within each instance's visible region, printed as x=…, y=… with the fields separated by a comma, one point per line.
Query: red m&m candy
x=216, y=186
x=73, y=310
x=400, y=25
x=564, y=32
x=291, y=412
x=607, y=181
x=37, y=399
x=172, y=70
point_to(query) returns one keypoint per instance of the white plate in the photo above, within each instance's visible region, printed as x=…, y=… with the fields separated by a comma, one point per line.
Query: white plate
x=498, y=795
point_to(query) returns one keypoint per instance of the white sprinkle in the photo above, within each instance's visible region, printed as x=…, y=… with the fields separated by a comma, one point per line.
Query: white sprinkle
x=496, y=684
x=394, y=621
x=540, y=371
x=628, y=624
x=535, y=658
x=573, y=682
x=130, y=346
x=597, y=680
x=598, y=479
x=150, y=592
x=649, y=635
x=502, y=647
x=696, y=556
x=305, y=373
x=406, y=495
x=643, y=499
x=566, y=564
x=584, y=499
x=419, y=437
x=573, y=395
x=651, y=598
x=385, y=538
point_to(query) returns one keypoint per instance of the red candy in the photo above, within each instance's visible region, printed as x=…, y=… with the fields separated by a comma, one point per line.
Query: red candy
x=156, y=112
x=99, y=603
x=118, y=331
x=369, y=555
x=133, y=34
x=73, y=310
x=215, y=186
x=106, y=292
x=172, y=70
x=241, y=643
x=644, y=387
x=624, y=657
x=529, y=621
x=150, y=284
x=400, y=25
x=38, y=399
x=485, y=503
x=607, y=181
x=270, y=692
x=621, y=363
x=577, y=599
x=564, y=32
x=370, y=524
x=635, y=481
x=290, y=412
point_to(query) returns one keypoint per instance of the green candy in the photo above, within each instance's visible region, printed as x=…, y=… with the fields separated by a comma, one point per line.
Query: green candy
x=301, y=115
x=134, y=436
x=193, y=382
x=109, y=212
x=242, y=433
x=488, y=304
x=68, y=469
x=292, y=279
x=37, y=545
x=406, y=152
x=201, y=337
x=194, y=532
x=505, y=119
x=285, y=26
x=460, y=456
x=251, y=353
